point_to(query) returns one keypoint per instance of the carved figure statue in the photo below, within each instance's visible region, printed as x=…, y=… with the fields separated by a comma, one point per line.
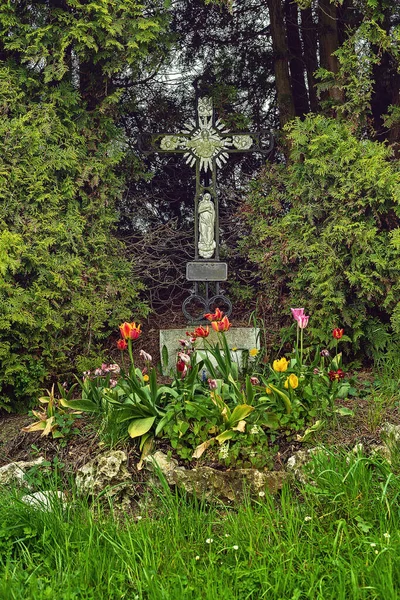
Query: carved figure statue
x=206, y=212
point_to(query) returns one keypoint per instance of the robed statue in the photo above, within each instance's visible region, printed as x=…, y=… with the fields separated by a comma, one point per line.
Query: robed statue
x=206, y=212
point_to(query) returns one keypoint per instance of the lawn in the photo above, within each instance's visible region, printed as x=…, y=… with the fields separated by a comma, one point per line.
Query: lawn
x=335, y=537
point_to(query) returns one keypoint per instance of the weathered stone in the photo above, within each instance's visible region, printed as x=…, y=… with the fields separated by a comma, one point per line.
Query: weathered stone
x=391, y=433
x=164, y=463
x=383, y=451
x=107, y=474
x=240, y=338
x=212, y=484
x=45, y=501
x=14, y=473
x=296, y=463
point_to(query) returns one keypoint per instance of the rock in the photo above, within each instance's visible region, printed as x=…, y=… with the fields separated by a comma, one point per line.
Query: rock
x=107, y=474
x=381, y=450
x=390, y=449
x=14, y=473
x=296, y=463
x=45, y=501
x=212, y=484
x=391, y=433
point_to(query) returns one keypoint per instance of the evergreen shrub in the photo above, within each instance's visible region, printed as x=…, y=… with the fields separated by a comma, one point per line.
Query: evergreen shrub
x=324, y=231
x=64, y=281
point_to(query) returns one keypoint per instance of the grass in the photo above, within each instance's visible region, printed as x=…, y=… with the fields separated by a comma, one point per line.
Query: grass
x=335, y=538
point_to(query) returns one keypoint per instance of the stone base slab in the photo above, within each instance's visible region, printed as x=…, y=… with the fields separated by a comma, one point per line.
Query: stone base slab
x=239, y=338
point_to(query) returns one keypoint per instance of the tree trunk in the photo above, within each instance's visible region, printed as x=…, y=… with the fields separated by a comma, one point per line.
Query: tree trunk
x=92, y=84
x=296, y=59
x=329, y=42
x=309, y=36
x=281, y=64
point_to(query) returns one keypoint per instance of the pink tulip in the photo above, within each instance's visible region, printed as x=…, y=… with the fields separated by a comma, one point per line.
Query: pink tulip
x=297, y=312
x=302, y=321
x=184, y=357
x=212, y=383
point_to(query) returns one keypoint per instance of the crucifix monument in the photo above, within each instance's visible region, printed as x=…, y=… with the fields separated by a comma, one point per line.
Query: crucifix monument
x=207, y=144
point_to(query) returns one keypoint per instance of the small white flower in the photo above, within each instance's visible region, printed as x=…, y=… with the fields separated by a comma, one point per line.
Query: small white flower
x=224, y=451
x=235, y=547
x=373, y=545
x=254, y=430
x=261, y=494
x=376, y=551
x=386, y=536
x=197, y=557
x=227, y=535
x=209, y=541
x=139, y=518
x=307, y=518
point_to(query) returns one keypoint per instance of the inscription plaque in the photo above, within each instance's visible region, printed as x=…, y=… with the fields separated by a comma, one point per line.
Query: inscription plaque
x=206, y=271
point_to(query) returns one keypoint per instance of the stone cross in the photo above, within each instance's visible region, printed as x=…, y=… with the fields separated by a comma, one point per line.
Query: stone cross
x=206, y=144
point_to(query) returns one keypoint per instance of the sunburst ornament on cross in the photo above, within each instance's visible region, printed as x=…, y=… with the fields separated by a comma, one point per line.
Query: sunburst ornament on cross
x=205, y=141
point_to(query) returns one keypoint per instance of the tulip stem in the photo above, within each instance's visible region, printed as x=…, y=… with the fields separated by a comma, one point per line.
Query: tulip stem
x=130, y=351
x=301, y=348
x=123, y=360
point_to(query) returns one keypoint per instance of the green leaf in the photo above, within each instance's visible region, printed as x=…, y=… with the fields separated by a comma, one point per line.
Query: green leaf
x=285, y=397
x=313, y=429
x=224, y=436
x=140, y=426
x=84, y=405
x=343, y=411
x=239, y=413
x=249, y=390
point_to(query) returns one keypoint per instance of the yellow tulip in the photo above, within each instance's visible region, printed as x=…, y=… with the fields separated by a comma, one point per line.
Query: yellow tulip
x=146, y=378
x=292, y=381
x=281, y=365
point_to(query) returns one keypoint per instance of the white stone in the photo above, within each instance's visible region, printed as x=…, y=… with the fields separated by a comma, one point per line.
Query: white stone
x=107, y=476
x=14, y=473
x=45, y=501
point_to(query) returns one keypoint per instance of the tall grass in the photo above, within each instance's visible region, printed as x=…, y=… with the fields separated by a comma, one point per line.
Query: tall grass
x=335, y=538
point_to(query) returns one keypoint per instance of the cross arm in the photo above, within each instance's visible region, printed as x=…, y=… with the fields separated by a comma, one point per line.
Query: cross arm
x=261, y=141
x=165, y=143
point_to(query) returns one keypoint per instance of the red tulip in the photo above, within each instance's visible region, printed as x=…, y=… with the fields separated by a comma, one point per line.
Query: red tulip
x=130, y=331
x=222, y=325
x=201, y=332
x=217, y=316
x=122, y=345
x=336, y=375
x=181, y=367
x=337, y=333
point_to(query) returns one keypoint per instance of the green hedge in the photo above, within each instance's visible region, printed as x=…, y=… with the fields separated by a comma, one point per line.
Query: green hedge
x=64, y=281
x=324, y=231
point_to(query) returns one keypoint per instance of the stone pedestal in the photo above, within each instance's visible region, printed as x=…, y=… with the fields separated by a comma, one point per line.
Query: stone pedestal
x=238, y=338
